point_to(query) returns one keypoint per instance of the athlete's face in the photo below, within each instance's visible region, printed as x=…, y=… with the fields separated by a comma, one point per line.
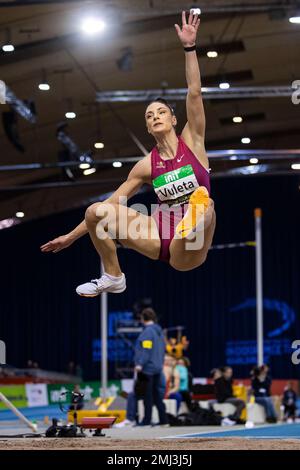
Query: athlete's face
x=159, y=119
x=228, y=373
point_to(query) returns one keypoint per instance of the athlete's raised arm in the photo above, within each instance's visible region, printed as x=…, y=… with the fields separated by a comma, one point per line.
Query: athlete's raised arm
x=194, y=131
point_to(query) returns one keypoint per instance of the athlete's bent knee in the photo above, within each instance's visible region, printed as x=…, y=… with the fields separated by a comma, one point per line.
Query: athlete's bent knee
x=100, y=210
x=90, y=213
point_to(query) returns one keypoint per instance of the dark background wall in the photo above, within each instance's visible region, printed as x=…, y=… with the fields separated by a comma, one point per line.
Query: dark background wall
x=42, y=318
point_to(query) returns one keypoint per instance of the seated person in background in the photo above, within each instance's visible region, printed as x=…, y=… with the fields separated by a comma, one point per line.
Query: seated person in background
x=216, y=374
x=289, y=400
x=184, y=391
x=190, y=375
x=172, y=380
x=261, y=385
x=224, y=392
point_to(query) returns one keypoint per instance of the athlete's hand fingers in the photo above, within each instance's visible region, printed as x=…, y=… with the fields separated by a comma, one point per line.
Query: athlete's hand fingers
x=50, y=246
x=177, y=29
x=46, y=248
x=183, y=18
x=45, y=245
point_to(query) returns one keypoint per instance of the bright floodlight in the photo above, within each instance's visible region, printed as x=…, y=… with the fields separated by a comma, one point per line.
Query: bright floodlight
x=212, y=54
x=117, y=164
x=89, y=171
x=20, y=214
x=245, y=140
x=253, y=161
x=92, y=26
x=195, y=11
x=99, y=145
x=295, y=19
x=84, y=166
x=70, y=115
x=295, y=166
x=224, y=85
x=237, y=119
x=233, y=157
x=8, y=48
x=44, y=86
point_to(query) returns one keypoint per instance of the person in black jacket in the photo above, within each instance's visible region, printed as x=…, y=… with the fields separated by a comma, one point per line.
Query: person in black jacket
x=224, y=393
x=261, y=386
x=149, y=359
x=289, y=402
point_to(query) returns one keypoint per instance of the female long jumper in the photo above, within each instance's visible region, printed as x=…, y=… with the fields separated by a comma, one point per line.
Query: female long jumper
x=181, y=228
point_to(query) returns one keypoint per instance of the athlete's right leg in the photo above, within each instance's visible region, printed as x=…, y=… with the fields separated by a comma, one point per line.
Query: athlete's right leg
x=106, y=246
x=107, y=222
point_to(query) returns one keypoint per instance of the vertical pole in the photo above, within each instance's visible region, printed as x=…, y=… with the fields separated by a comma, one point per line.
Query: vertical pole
x=104, y=357
x=259, y=287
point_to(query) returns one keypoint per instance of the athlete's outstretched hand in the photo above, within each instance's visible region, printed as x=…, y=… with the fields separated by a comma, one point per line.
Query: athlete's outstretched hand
x=188, y=31
x=58, y=244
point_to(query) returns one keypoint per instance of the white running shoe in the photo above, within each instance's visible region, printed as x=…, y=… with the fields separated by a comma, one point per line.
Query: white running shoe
x=106, y=283
x=126, y=423
x=227, y=422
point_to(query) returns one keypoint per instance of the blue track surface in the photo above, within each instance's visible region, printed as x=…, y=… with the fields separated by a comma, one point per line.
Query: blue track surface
x=37, y=413
x=278, y=431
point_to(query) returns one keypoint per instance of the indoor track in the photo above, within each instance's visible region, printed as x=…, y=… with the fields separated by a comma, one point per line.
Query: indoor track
x=265, y=437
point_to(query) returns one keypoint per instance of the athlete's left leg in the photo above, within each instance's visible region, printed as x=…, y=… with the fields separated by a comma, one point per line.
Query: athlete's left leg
x=185, y=253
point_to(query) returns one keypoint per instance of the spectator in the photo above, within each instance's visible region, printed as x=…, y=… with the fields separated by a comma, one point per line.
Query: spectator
x=172, y=380
x=261, y=385
x=289, y=401
x=224, y=393
x=175, y=347
x=149, y=358
x=188, y=366
x=184, y=391
x=216, y=374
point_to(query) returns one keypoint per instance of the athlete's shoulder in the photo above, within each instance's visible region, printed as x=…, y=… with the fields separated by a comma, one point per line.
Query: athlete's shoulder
x=196, y=146
x=144, y=162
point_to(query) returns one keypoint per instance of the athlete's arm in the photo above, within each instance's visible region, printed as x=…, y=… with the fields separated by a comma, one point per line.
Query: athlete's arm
x=140, y=174
x=194, y=131
x=64, y=241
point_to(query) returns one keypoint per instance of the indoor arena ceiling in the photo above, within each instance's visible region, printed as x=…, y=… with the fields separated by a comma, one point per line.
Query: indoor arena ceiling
x=139, y=50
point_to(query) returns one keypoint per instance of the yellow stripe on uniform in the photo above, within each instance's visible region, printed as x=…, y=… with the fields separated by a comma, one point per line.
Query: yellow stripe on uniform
x=147, y=344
